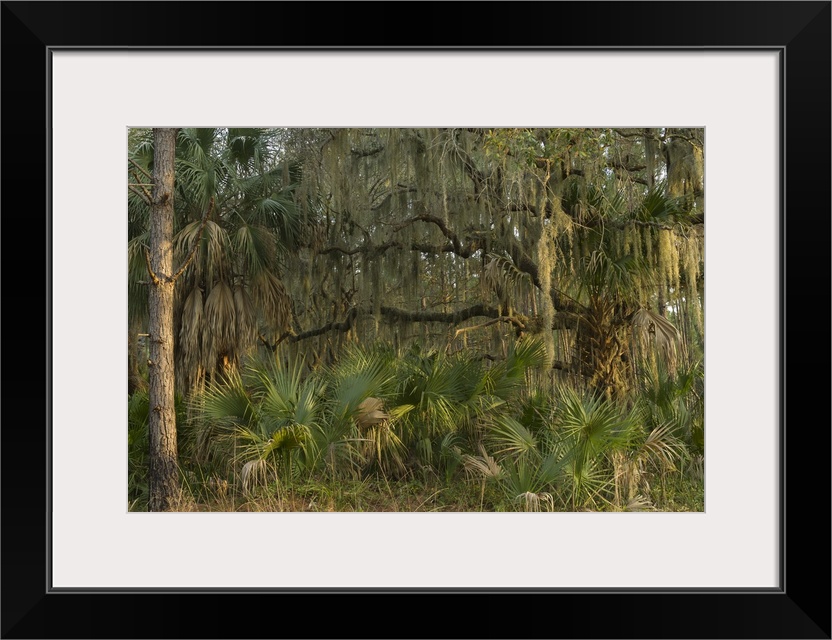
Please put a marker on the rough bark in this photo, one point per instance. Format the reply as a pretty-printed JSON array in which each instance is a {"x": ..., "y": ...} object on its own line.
[
  {"x": 134, "y": 381},
  {"x": 164, "y": 473}
]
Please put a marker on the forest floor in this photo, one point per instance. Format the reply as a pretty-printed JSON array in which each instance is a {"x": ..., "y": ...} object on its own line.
[{"x": 383, "y": 495}]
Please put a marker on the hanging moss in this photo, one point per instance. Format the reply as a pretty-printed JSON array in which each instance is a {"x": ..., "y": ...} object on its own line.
[
  {"x": 499, "y": 192},
  {"x": 692, "y": 261},
  {"x": 647, "y": 234}
]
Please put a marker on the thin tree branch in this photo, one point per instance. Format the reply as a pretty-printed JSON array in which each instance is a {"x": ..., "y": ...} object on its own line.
[
  {"x": 507, "y": 319},
  {"x": 144, "y": 186},
  {"x": 450, "y": 235},
  {"x": 463, "y": 252},
  {"x": 345, "y": 251},
  {"x": 636, "y": 134},
  {"x": 153, "y": 277},
  {"x": 272, "y": 347},
  {"x": 346, "y": 325},
  {"x": 141, "y": 168},
  {"x": 144, "y": 195},
  {"x": 453, "y": 317},
  {"x": 682, "y": 136}
]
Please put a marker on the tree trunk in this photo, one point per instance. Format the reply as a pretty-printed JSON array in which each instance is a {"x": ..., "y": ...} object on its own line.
[
  {"x": 133, "y": 378},
  {"x": 164, "y": 473}
]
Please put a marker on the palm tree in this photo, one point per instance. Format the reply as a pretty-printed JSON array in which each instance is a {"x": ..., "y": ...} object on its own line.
[{"x": 236, "y": 217}]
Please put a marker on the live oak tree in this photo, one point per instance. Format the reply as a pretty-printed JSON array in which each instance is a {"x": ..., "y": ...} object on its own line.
[{"x": 466, "y": 238}]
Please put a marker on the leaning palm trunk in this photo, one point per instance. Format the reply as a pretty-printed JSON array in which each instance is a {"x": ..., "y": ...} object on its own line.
[{"x": 164, "y": 474}]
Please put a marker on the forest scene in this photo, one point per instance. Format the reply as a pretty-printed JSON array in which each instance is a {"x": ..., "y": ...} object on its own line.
[{"x": 416, "y": 320}]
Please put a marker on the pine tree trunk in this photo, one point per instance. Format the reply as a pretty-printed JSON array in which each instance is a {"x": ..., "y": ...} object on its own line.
[
  {"x": 164, "y": 473},
  {"x": 133, "y": 378}
]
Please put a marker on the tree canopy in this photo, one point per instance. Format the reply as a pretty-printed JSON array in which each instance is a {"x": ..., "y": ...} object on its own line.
[{"x": 453, "y": 238}]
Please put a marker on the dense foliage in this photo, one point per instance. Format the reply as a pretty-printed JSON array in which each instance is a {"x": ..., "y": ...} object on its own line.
[{"x": 510, "y": 314}]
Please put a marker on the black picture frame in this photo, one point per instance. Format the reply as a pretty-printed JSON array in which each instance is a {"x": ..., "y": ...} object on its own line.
[{"x": 800, "y": 608}]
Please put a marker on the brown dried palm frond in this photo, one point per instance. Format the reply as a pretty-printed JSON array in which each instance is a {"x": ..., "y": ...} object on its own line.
[
  {"x": 662, "y": 448},
  {"x": 246, "y": 316},
  {"x": 653, "y": 330},
  {"x": 534, "y": 502},
  {"x": 190, "y": 335},
  {"x": 273, "y": 300},
  {"x": 370, "y": 412},
  {"x": 256, "y": 247},
  {"x": 501, "y": 275},
  {"x": 213, "y": 246},
  {"x": 483, "y": 465},
  {"x": 256, "y": 473},
  {"x": 639, "y": 503},
  {"x": 221, "y": 318}
]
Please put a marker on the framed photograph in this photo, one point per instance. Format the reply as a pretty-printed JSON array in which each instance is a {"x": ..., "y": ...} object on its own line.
[{"x": 745, "y": 84}]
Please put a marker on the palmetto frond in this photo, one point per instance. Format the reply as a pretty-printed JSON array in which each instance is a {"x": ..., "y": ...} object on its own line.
[
  {"x": 510, "y": 438},
  {"x": 590, "y": 427},
  {"x": 525, "y": 483},
  {"x": 360, "y": 375},
  {"x": 616, "y": 277},
  {"x": 482, "y": 465},
  {"x": 505, "y": 378},
  {"x": 227, "y": 403},
  {"x": 662, "y": 448},
  {"x": 501, "y": 274},
  {"x": 256, "y": 247},
  {"x": 658, "y": 206},
  {"x": 285, "y": 397}
]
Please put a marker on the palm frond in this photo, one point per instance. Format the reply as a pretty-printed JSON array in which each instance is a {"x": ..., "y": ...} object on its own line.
[
  {"x": 482, "y": 465},
  {"x": 226, "y": 403},
  {"x": 192, "y": 324},
  {"x": 221, "y": 319},
  {"x": 653, "y": 330},
  {"x": 510, "y": 438},
  {"x": 658, "y": 206},
  {"x": 256, "y": 246},
  {"x": 591, "y": 426},
  {"x": 662, "y": 448},
  {"x": 505, "y": 378},
  {"x": 273, "y": 301}
]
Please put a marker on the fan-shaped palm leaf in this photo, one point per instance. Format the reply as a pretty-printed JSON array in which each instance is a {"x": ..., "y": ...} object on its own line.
[
  {"x": 510, "y": 438},
  {"x": 590, "y": 427},
  {"x": 256, "y": 247},
  {"x": 525, "y": 486},
  {"x": 505, "y": 378},
  {"x": 657, "y": 206}
]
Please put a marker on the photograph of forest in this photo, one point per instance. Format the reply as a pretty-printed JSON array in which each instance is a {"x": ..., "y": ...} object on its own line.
[{"x": 416, "y": 320}]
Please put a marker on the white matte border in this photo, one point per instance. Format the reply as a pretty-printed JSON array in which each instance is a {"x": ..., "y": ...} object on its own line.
[{"x": 97, "y": 95}]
